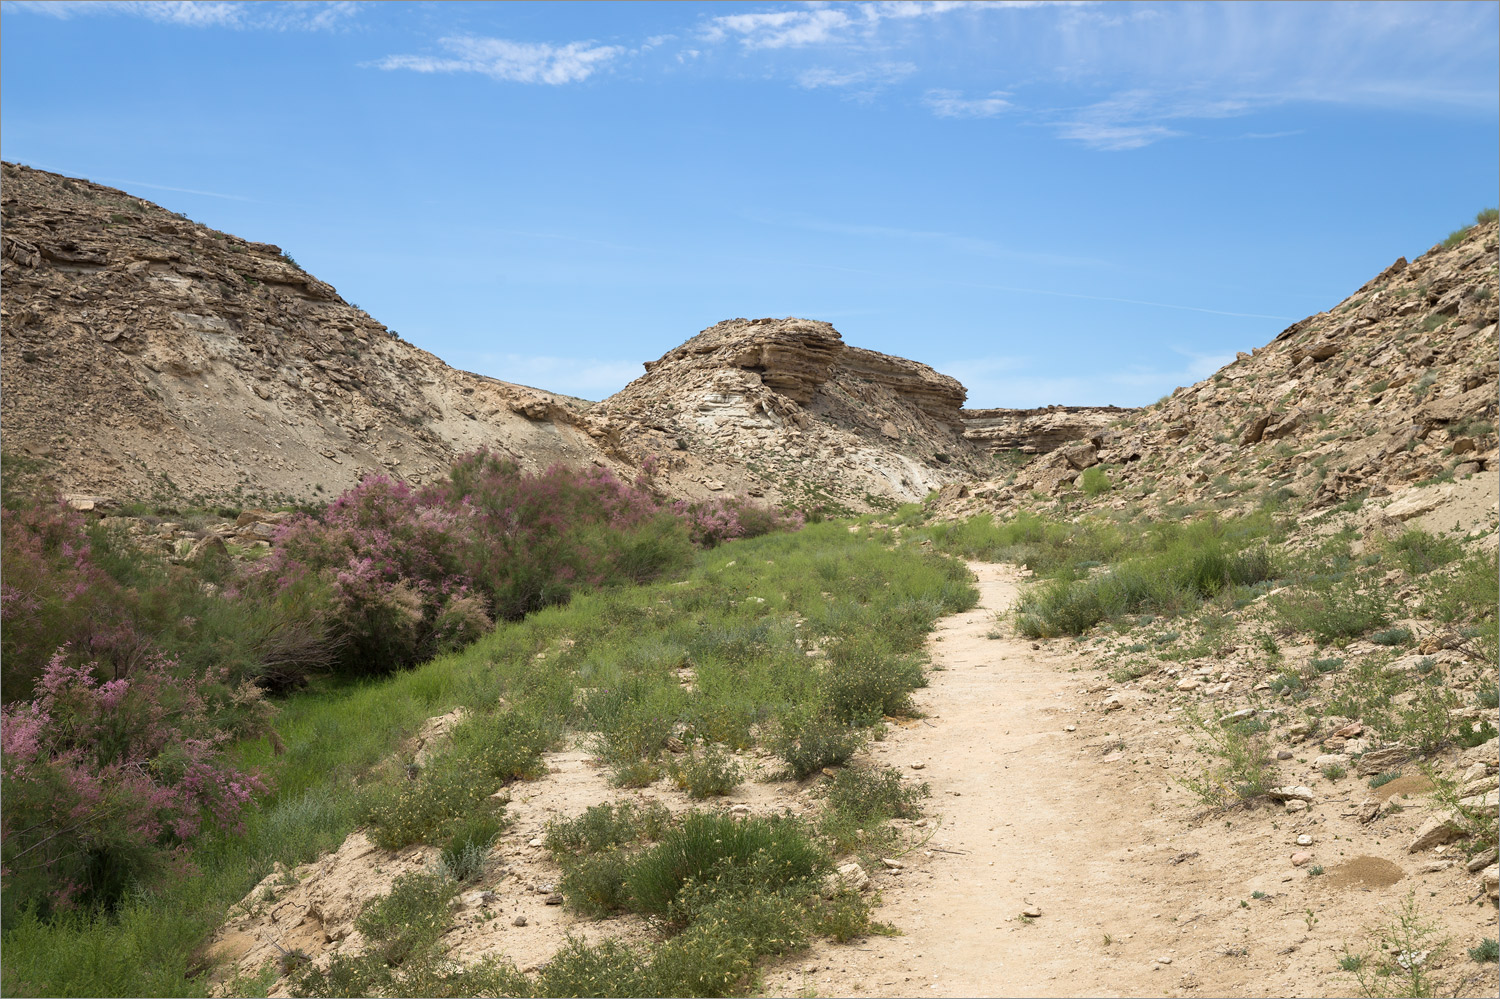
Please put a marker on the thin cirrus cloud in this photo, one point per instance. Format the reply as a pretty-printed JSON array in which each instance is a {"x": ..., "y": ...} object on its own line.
[
  {"x": 294, "y": 16},
  {"x": 867, "y": 80},
  {"x": 953, "y": 104},
  {"x": 803, "y": 26},
  {"x": 514, "y": 62},
  {"x": 1013, "y": 381}
]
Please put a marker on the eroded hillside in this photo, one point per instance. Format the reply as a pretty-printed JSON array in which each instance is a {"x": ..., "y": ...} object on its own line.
[
  {"x": 1394, "y": 385},
  {"x": 149, "y": 357}
]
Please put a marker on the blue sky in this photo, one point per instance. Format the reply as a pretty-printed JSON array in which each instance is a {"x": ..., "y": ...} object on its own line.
[{"x": 1074, "y": 203}]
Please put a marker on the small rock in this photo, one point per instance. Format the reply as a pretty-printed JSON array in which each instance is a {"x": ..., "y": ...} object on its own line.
[
  {"x": 1289, "y": 793},
  {"x": 1489, "y": 881},
  {"x": 1283, "y": 754},
  {"x": 1112, "y": 703},
  {"x": 850, "y": 875},
  {"x": 1301, "y": 858},
  {"x": 1477, "y": 864},
  {"x": 536, "y": 841},
  {"x": 1031, "y": 912},
  {"x": 554, "y": 899},
  {"x": 1433, "y": 866},
  {"x": 1296, "y": 805},
  {"x": 519, "y": 921},
  {"x": 1434, "y": 832},
  {"x": 1164, "y": 960},
  {"x": 1304, "y": 840},
  {"x": 1070, "y": 728},
  {"x": 918, "y": 766},
  {"x": 892, "y": 865}
]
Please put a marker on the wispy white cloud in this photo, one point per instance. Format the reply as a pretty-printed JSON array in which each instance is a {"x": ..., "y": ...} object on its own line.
[
  {"x": 516, "y": 62},
  {"x": 781, "y": 28},
  {"x": 1013, "y": 381},
  {"x": 288, "y": 16},
  {"x": 819, "y": 24},
  {"x": 179, "y": 190},
  {"x": 863, "y": 82},
  {"x": 953, "y": 104},
  {"x": 585, "y": 377}
]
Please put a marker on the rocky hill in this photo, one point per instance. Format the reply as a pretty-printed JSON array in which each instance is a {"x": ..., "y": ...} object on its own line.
[
  {"x": 783, "y": 408},
  {"x": 148, "y": 357},
  {"x": 1394, "y": 385}
]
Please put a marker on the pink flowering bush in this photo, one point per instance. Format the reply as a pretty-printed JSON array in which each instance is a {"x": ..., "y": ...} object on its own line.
[
  {"x": 106, "y": 783},
  {"x": 712, "y": 522},
  {"x": 52, "y": 593}
]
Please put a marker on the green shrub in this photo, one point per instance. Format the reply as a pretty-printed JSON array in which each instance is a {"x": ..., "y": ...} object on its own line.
[
  {"x": 1095, "y": 481},
  {"x": 861, "y": 800},
  {"x": 1332, "y": 615},
  {"x": 485, "y": 754},
  {"x": 708, "y": 772},
  {"x": 764, "y": 853},
  {"x": 1488, "y": 951},
  {"x": 1419, "y": 552},
  {"x": 604, "y": 826},
  {"x": 468, "y": 849},
  {"x": 409, "y": 919},
  {"x": 1392, "y": 636},
  {"x": 595, "y": 884},
  {"x": 810, "y": 744}
]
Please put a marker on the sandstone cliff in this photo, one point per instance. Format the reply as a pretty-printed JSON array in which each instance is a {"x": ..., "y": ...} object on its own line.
[
  {"x": 146, "y": 356},
  {"x": 1039, "y": 430},
  {"x": 783, "y": 408}
]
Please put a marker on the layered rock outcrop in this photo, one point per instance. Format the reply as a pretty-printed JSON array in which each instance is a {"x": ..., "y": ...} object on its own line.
[
  {"x": 1039, "y": 430},
  {"x": 784, "y": 409},
  {"x": 144, "y": 356},
  {"x": 148, "y": 357}
]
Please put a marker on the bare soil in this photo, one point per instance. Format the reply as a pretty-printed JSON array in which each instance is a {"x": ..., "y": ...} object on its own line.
[{"x": 1139, "y": 893}]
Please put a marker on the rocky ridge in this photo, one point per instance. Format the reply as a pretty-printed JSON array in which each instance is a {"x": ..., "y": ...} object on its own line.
[
  {"x": 1395, "y": 385},
  {"x": 783, "y": 408},
  {"x": 147, "y": 357}
]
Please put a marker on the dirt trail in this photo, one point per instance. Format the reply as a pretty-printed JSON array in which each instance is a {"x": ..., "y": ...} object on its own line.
[
  {"x": 1087, "y": 826},
  {"x": 1028, "y": 819}
]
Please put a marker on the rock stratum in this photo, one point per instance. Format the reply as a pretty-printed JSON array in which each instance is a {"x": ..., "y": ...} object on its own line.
[
  {"x": 146, "y": 357},
  {"x": 784, "y": 408}
]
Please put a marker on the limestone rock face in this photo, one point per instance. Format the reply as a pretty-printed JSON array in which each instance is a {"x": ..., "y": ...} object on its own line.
[
  {"x": 1038, "y": 431},
  {"x": 783, "y": 408},
  {"x": 145, "y": 356}
]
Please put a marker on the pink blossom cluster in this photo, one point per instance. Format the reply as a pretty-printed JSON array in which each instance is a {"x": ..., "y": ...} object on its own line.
[{"x": 105, "y": 783}]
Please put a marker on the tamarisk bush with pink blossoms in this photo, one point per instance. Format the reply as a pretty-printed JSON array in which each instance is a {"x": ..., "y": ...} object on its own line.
[
  {"x": 106, "y": 784},
  {"x": 412, "y": 573}
]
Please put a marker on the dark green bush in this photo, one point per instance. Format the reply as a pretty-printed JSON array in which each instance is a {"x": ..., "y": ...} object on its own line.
[{"x": 809, "y": 744}]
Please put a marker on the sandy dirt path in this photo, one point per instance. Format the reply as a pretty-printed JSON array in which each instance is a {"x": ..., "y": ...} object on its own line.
[
  {"x": 1032, "y": 814},
  {"x": 1027, "y": 819}
]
